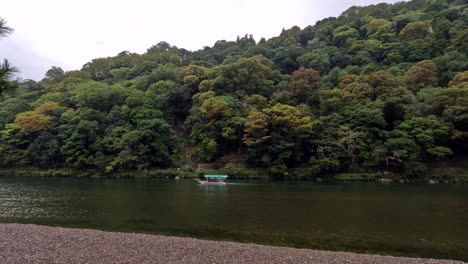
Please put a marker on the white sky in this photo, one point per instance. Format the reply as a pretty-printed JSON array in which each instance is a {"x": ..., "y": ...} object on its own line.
[{"x": 70, "y": 33}]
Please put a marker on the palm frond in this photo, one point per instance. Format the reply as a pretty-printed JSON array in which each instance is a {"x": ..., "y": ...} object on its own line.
[
  {"x": 7, "y": 71},
  {"x": 4, "y": 29}
]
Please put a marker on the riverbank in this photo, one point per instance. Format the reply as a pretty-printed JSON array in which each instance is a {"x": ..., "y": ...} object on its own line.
[
  {"x": 436, "y": 174},
  {"x": 40, "y": 244}
]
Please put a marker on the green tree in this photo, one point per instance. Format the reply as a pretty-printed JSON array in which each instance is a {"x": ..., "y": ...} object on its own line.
[
  {"x": 316, "y": 59},
  {"x": 328, "y": 154},
  {"x": 10, "y": 108},
  {"x": 245, "y": 76},
  {"x": 379, "y": 29},
  {"x": 421, "y": 74},
  {"x": 7, "y": 71},
  {"x": 45, "y": 150},
  {"x": 54, "y": 75},
  {"x": 460, "y": 80},
  {"x": 344, "y": 35},
  {"x": 429, "y": 133},
  {"x": 417, "y": 31},
  {"x": 99, "y": 96},
  {"x": 81, "y": 132}
]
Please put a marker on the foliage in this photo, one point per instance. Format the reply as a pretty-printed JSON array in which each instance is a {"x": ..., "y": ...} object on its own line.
[
  {"x": 382, "y": 87},
  {"x": 7, "y": 71}
]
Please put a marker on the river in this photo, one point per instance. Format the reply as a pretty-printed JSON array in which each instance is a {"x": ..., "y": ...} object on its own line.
[{"x": 412, "y": 220}]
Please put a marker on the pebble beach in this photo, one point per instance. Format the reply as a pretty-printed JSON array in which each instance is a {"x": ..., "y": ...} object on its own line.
[{"x": 41, "y": 244}]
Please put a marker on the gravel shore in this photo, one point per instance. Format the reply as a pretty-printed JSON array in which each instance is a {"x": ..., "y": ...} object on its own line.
[{"x": 41, "y": 244}]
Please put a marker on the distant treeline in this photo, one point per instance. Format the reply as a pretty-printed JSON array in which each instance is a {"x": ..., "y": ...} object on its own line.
[{"x": 383, "y": 86}]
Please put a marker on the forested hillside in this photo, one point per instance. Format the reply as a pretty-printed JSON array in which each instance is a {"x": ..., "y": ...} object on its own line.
[{"x": 383, "y": 87}]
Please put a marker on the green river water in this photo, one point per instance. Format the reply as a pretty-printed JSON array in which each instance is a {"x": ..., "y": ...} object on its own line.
[{"x": 411, "y": 220}]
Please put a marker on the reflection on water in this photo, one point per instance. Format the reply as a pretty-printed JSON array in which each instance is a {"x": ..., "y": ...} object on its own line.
[
  {"x": 415, "y": 220},
  {"x": 26, "y": 202}
]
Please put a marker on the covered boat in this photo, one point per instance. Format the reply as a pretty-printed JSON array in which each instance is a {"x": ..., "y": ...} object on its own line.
[{"x": 214, "y": 179}]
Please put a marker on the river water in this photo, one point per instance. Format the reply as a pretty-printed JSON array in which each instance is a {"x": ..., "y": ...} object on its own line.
[{"x": 411, "y": 220}]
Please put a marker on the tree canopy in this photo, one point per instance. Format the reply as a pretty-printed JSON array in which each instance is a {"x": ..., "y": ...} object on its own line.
[{"x": 382, "y": 87}]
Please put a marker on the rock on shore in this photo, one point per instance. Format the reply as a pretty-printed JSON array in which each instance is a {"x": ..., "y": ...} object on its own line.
[{"x": 41, "y": 244}]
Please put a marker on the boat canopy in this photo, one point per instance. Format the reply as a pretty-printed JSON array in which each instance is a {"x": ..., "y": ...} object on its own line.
[{"x": 217, "y": 176}]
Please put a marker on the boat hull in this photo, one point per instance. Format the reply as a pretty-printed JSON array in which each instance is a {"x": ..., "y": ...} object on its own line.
[{"x": 211, "y": 183}]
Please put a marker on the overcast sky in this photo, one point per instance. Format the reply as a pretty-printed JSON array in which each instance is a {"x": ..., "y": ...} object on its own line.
[{"x": 70, "y": 33}]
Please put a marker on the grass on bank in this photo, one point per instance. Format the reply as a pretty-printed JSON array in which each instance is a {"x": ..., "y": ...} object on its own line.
[
  {"x": 438, "y": 172},
  {"x": 449, "y": 174}
]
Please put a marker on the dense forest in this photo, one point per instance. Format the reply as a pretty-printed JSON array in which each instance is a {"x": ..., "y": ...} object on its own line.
[{"x": 383, "y": 87}]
